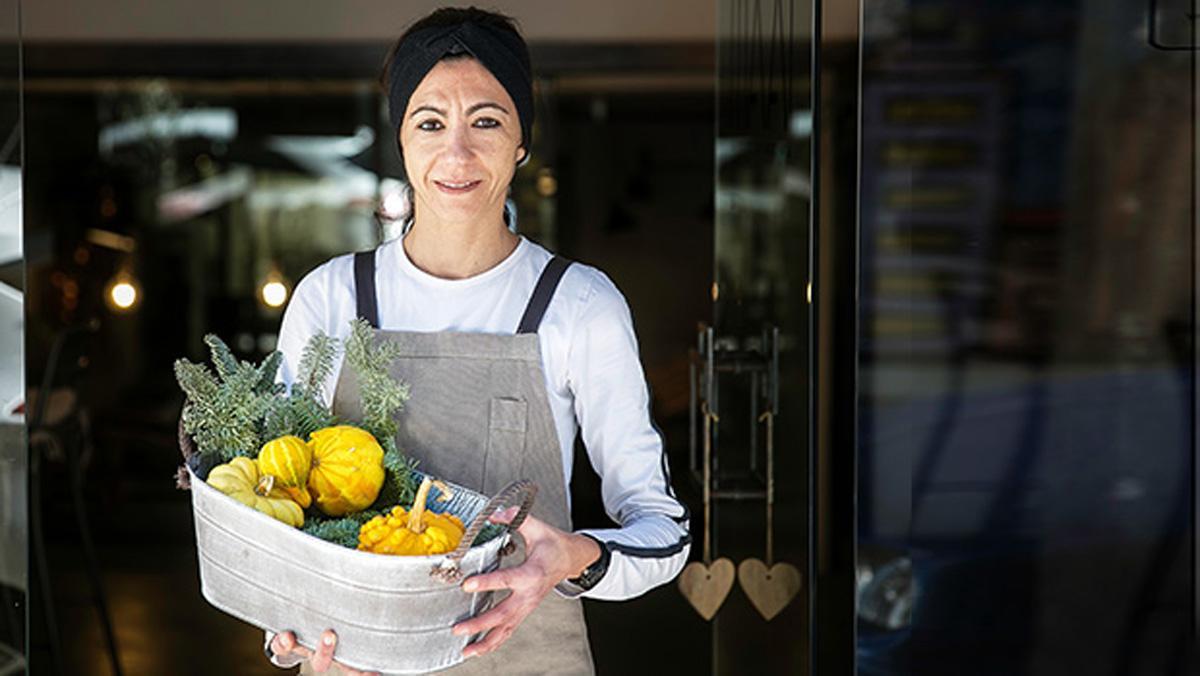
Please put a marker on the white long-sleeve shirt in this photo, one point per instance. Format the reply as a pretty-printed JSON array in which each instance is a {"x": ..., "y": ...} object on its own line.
[{"x": 594, "y": 383}]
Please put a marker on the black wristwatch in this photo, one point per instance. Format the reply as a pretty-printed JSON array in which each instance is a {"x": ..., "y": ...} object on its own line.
[{"x": 592, "y": 575}]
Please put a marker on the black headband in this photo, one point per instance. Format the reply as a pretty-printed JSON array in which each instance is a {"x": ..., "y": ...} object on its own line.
[{"x": 502, "y": 52}]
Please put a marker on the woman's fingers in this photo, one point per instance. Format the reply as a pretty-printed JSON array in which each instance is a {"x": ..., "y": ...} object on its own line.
[
  {"x": 285, "y": 643},
  {"x": 480, "y": 623},
  {"x": 323, "y": 657},
  {"x": 504, "y": 515},
  {"x": 494, "y": 639}
]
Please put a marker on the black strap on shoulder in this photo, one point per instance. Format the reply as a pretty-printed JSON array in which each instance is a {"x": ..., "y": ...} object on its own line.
[
  {"x": 542, "y": 293},
  {"x": 364, "y": 287}
]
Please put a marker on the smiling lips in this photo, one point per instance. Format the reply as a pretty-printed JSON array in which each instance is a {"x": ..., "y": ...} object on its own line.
[{"x": 456, "y": 187}]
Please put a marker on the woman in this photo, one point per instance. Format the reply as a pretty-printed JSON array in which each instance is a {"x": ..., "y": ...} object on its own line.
[{"x": 489, "y": 406}]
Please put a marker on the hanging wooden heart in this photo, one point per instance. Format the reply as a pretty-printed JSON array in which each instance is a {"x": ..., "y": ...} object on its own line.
[
  {"x": 706, "y": 587},
  {"x": 769, "y": 589}
]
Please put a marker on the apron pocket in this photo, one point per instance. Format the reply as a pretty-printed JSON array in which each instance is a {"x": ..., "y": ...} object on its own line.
[{"x": 506, "y": 443}]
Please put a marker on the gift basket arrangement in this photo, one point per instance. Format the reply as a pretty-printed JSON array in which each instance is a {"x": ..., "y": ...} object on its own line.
[{"x": 305, "y": 522}]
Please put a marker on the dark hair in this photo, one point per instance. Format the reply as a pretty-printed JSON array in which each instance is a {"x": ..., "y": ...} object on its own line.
[{"x": 452, "y": 16}]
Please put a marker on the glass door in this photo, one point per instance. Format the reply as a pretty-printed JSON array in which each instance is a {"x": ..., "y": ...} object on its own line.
[
  {"x": 13, "y": 452},
  {"x": 751, "y": 365},
  {"x": 1026, "y": 411}
]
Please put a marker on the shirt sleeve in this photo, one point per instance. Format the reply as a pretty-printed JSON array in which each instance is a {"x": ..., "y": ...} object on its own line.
[{"x": 612, "y": 405}]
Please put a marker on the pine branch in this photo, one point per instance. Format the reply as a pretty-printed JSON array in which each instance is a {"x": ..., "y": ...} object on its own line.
[
  {"x": 267, "y": 372},
  {"x": 302, "y": 411},
  {"x": 224, "y": 414},
  {"x": 222, "y": 417},
  {"x": 196, "y": 380},
  {"x": 399, "y": 484},
  {"x": 382, "y": 396},
  {"x": 316, "y": 364},
  {"x": 222, "y": 357},
  {"x": 342, "y": 531}
]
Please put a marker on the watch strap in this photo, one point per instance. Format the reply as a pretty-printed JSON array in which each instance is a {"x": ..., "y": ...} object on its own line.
[{"x": 595, "y": 571}]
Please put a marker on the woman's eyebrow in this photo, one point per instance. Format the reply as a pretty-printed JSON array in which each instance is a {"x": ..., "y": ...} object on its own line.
[
  {"x": 419, "y": 109},
  {"x": 487, "y": 104},
  {"x": 473, "y": 109}
]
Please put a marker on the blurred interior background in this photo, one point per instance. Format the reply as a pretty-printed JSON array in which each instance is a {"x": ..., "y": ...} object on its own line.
[
  {"x": 948, "y": 246},
  {"x": 193, "y": 160}
]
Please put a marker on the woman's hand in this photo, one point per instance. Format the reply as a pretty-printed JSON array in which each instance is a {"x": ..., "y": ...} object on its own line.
[
  {"x": 551, "y": 556},
  {"x": 285, "y": 644}
]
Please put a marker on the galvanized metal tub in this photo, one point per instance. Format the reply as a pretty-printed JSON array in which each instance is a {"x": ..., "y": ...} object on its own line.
[{"x": 392, "y": 614}]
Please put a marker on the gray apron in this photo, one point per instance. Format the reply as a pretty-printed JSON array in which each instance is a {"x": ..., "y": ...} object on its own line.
[{"x": 479, "y": 416}]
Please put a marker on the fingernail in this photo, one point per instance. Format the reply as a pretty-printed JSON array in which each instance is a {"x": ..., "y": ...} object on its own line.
[
  {"x": 328, "y": 640},
  {"x": 469, "y": 586}
]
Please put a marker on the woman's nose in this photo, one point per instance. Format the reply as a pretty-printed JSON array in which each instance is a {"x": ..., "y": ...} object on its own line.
[{"x": 459, "y": 142}]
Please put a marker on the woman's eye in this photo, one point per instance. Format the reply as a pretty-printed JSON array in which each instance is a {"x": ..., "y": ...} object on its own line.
[
  {"x": 487, "y": 122},
  {"x": 429, "y": 125}
]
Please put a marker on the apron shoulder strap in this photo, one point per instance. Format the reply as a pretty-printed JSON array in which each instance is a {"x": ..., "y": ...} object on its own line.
[
  {"x": 542, "y": 293},
  {"x": 364, "y": 287}
]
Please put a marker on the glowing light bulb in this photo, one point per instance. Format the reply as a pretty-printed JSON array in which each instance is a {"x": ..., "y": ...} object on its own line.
[
  {"x": 274, "y": 293},
  {"x": 124, "y": 295}
]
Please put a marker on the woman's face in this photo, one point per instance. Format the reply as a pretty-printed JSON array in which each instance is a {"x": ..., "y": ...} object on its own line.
[{"x": 461, "y": 138}]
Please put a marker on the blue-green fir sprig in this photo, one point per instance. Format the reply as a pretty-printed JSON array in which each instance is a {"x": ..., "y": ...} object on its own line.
[
  {"x": 303, "y": 411},
  {"x": 382, "y": 396},
  {"x": 224, "y": 412}
]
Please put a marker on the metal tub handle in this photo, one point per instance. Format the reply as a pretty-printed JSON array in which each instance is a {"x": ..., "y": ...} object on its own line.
[{"x": 521, "y": 492}]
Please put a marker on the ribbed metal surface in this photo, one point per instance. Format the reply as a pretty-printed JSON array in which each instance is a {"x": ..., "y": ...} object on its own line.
[{"x": 389, "y": 613}]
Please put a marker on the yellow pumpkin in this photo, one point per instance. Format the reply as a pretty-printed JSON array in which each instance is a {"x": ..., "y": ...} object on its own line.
[
  {"x": 347, "y": 469},
  {"x": 288, "y": 459},
  {"x": 418, "y": 532},
  {"x": 239, "y": 479}
]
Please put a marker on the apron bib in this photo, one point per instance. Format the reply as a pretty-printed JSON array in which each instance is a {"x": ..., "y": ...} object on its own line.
[{"x": 479, "y": 416}]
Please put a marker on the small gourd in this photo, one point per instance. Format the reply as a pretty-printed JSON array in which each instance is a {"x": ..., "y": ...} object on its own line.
[
  {"x": 419, "y": 532},
  {"x": 240, "y": 479},
  {"x": 347, "y": 469},
  {"x": 288, "y": 459}
]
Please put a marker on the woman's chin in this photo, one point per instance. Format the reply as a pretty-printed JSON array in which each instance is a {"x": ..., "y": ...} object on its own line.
[{"x": 466, "y": 211}]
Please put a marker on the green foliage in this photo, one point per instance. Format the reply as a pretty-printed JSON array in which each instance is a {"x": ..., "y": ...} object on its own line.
[
  {"x": 295, "y": 415},
  {"x": 222, "y": 357},
  {"x": 302, "y": 411},
  {"x": 399, "y": 483},
  {"x": 382, "y": 396},
  {"x": 342, "y": 531},
  {"x": 316, "y": 365},
  {"x": 235, "y": 408},
  {"x": 223, "y": 413},
  {"x": 267, "y": 372}
]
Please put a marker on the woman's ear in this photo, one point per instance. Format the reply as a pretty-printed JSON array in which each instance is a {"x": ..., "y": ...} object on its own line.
[{"x": 522, "y": 156}]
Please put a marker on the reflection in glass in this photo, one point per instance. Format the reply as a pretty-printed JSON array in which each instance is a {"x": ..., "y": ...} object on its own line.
[
  {"x": 1026, "y": 459},
  {"x": 760, "y": 331},
  {"x": 13, "y": 465}
]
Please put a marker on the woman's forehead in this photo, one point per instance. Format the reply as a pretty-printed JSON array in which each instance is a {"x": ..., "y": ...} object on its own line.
[{"x": 462, "y": 80}]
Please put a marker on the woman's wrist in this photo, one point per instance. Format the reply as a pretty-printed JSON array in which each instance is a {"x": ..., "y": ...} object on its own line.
[{"x": 584, "y": 552}]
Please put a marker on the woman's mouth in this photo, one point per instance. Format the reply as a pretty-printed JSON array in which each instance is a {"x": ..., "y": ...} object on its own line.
[{"x": 456, "y": 187}]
